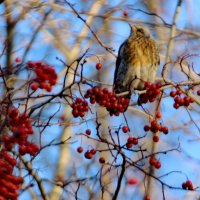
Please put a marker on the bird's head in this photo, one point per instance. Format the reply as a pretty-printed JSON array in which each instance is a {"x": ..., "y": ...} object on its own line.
[{"x": 138, "y": 31}]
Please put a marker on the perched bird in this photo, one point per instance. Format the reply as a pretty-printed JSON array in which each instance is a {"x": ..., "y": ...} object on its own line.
[{"x": 137, "y": 61}]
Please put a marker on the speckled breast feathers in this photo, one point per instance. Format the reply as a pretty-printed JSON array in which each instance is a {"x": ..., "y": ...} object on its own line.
[{"x": 137, "y": 61}]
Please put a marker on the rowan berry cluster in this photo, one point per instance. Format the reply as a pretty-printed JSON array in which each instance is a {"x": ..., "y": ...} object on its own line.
[
  {"x": 188, "y": 185},
  {"x": 45, "y": 76},
  {"x": 131, "y": 141},
  {"x": 21, "y": 128},
  {"x": 155, "y": 127},
  {"x": 90, "y": 153},
  {"x": 9, "y": 184},
  {"x": 154, "y": 162},
  {"x": 114, "y": 105},
  {"x": 152, "y": 91},
  {"x": 79, "y": 107},
  {"x": 180, "y": 101}
]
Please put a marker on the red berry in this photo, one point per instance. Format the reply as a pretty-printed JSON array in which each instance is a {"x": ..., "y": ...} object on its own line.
[
  {"x": 146, "y": 128},
  {"x": 132, "y": 181},
  {"x": 95, "y": 90},
  {"x": 173, "y": 93},
  {"x": 125, "y": 13},
  {"x": 88, "y": 155},
  {"x": 34, "y": 86},
  {"x": 129, "y": 145},
  {"x": 158, "y": 85},
  {"x": 78, "y": 100},
  {"x": 85, "y": 103},
  {"x": 165, "y": 130},
  {"x": 178, "y": 92},
  {"x": 75, "y": 113},
  {"x": 48, "y": 88},
  {"x": 125, "y": 129},
  {"x": 102, "y": 160},
  {"x": 93, "y": 151},
  {"x": 147, "y": 197},
  {"x": 152, "y": 99},
  {"x": 176, "y": 105},
  {"x": 184, "y": 186},
  {"x": 135, "y": 141},
  {"x": 177, "y": 99},
  {"x": 158, "y": 115},
  {"x": 130, "y": 139},
  {"x": 17, "y": 59},
  {"x": 88, "y": 131},
  {"x": 155, "y": 138},
  {"x": 105, "y": 90},
  {"x": 198, "y": 92},
  {"x": 189, "y": 185},
  {"x": 152, "y": 87},
  {"x": 152, "y": 160},
  {"x": 157, "y": 164},
  {"x": 191, "y": 100},
  {"x": 81, "y": 114},
  {"x": 98, "y": 66},
  {"x": 80, "y": 149},
  {"x": 31, "y": 64},
  {"x": 147, "y": 84},
  {"x": 119, "y": 106}
]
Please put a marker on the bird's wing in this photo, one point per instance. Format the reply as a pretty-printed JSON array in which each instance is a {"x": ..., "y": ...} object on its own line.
[{"x": 118, "y": 61}]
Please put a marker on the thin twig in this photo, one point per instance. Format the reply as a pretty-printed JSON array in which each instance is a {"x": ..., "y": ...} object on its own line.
[
  {"x": 173, "y": 31},
  {"x": 93, "y": 33},
  {"x": 120, "y": 177}
]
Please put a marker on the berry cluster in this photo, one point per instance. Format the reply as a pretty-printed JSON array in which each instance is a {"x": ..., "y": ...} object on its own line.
[
  {"x": 114, "y": 105},
  {"x": 187, "y": 185},
  {"x": 45, "y": 76},
  {"x": 155, "y": 127},
  {"x": 9, "y": 184},
  {"x": 21, "y": 127},
  {"x": 90, "y": 153},
  {"x": 154, "y": 162},
  {"x": 79, "y": 107},
  {"x": 131, "y": 141},
  {"x": 180, "y": 101},
  {"x": 152, "y": 91}
]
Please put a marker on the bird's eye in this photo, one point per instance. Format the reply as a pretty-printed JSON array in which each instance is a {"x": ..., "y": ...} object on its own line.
[{"x": 140, "y": 30}]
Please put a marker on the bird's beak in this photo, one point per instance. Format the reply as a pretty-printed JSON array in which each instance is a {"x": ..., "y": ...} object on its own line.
[{"x": 132, "y": 27}]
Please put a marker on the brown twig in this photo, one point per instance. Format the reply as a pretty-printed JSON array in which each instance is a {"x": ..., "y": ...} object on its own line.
[{"x": 93, "y": 33}]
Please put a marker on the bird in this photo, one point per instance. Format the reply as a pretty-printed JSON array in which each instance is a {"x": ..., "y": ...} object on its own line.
[{"x": 137, "y": 61}]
